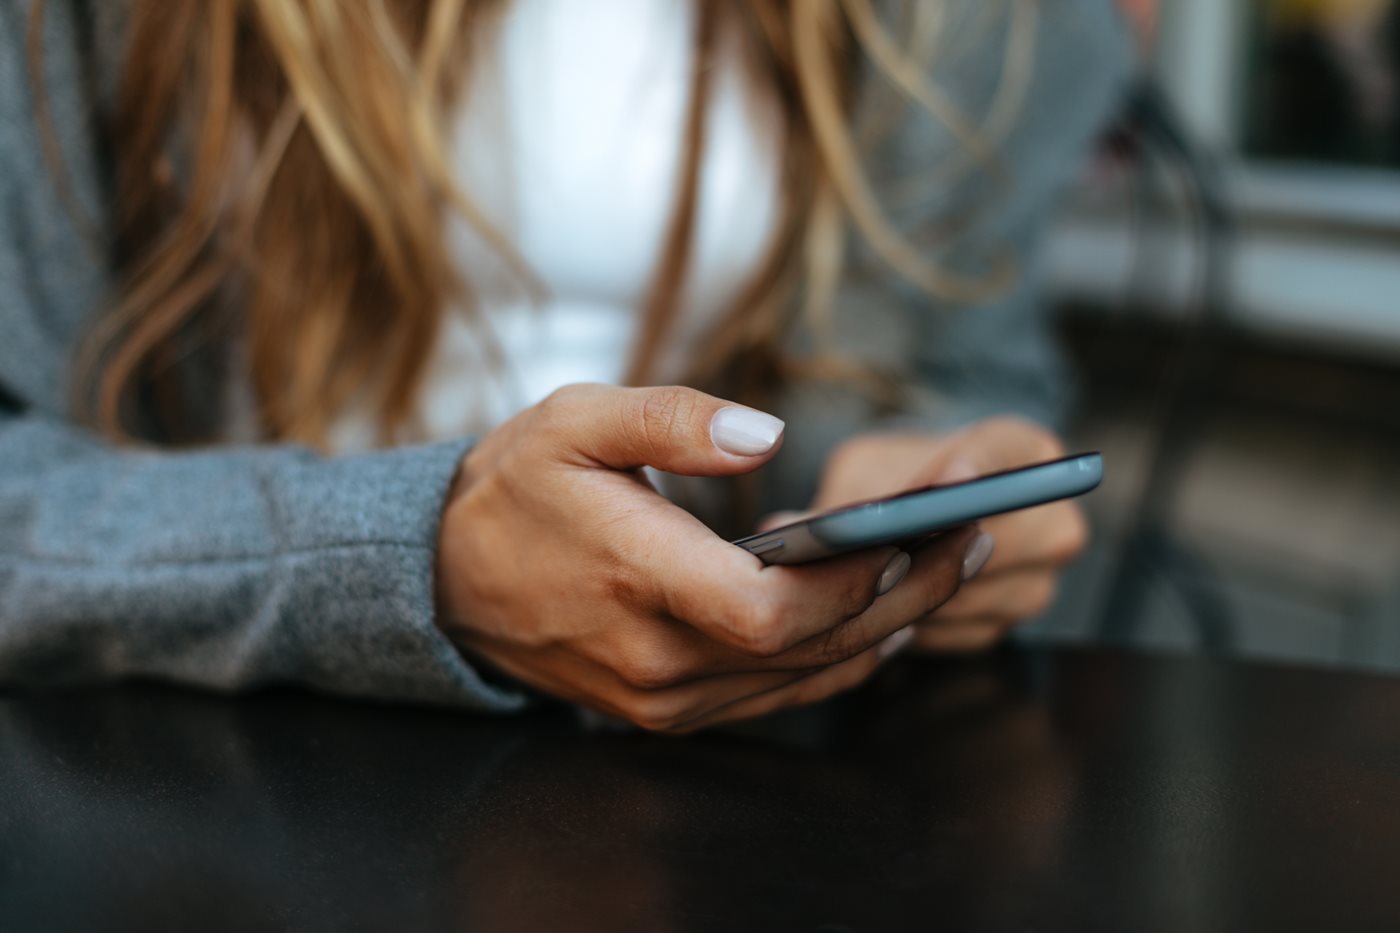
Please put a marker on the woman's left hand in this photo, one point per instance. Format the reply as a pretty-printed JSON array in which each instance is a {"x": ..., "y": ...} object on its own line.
[{"x": 1029, "y": 547}]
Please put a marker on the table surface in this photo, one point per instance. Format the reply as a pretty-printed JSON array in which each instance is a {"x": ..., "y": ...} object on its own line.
[{"x": 1030, "y": 791}]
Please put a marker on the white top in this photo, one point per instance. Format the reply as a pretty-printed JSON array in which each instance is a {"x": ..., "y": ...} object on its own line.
[{"x": 570, "y": 141}]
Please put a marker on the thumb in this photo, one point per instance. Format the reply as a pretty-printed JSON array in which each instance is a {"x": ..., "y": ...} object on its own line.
[
  {"x": 670, "y": 428},
  {"x": 958, "y": 468},
  {"x": 779, "y": 519}
]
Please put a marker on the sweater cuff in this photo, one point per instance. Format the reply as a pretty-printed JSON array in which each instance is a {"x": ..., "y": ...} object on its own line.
[{"x": 375, "y": 617}]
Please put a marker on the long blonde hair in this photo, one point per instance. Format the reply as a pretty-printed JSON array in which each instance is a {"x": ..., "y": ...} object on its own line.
[{"x": 282, "y": 177}]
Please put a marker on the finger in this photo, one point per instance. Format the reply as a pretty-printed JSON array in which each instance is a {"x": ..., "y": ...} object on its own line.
[
  {"x": 1046, "y": 536},
  {"x": 1003, "y": 443},
  {"x": 755, "y": 612},
  {"x": 610, "y": 688},
  {"x": 665, "y": 565},
  {"x": 811, "y": 688},
  {"x": 934, "y": 575},
  {"x": 631, "y": 683},
  {"x": 959, "y": 639},
  {"x": 624, "y": 688},
  {"x": 671, "y": 428},
  {"x": 1011, "y": 596},
  {"x": 988, "y": 447},
  {"x": 671, "y": 710}
]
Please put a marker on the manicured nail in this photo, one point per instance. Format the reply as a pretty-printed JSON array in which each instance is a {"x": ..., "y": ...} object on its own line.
[
  {"x": 894, "y": 572},
  {"x": 978, "y": 553},
  {"x": 744, "y": 432},
  {"x": 957, "y": 470},
  {"x": 895, "y": 643}
]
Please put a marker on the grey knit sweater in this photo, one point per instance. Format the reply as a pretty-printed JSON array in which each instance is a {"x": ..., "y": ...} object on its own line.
[{"x": 239, "y": 566}]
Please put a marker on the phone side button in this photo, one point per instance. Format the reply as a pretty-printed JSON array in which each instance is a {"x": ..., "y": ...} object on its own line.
[{"x": 766, "y": 547}]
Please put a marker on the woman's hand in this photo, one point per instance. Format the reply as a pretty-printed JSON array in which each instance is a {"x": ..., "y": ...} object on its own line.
[
  {"x": 1027, "y": 548},
  {"x": 561, "y": 566}
]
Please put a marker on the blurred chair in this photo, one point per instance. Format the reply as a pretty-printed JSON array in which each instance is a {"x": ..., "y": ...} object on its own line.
[{"x": 1159, "y": 148}]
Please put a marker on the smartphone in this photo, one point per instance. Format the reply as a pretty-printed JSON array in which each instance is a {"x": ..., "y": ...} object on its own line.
[{"x": 911, "y": 515}]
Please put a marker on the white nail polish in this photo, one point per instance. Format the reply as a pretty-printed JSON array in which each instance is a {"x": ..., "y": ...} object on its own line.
[
  {"x": 744, "y": 432},
  {"x": 893, "y": 573},
  {"x": 895, "y": 643},
  {"x": 978, "y": 553}
]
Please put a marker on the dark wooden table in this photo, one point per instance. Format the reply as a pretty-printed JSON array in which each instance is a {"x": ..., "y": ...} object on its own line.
[{"x": 1025, "y": 792}]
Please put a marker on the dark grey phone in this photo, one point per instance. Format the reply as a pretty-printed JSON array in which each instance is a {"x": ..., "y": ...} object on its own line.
[{"x": 920, "y": 512}]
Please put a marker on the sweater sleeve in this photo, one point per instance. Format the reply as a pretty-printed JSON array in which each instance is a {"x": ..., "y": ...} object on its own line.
[
  {"x": 960, "y": 364},
  {"x": 225, "y": 568},
  {"x": 1000, "y": 356}
]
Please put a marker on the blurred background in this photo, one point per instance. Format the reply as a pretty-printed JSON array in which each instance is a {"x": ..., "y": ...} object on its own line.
[{"x": 1227, "y": 276}]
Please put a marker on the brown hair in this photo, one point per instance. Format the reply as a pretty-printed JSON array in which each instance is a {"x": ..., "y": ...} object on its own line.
[{"x": 281, "y": 177}]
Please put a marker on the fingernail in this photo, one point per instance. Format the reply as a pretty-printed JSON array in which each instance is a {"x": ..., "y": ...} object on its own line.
[
  {"x": 957, "y": 470},
  {"x": 978, "y": 553},
  {"x": 744, "y": 432},
  {"x": 894, "y": 572},
  {"x": 895, "y": 643}
]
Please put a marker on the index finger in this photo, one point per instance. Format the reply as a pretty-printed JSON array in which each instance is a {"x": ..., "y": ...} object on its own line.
[{"x": 737, "y": 601}]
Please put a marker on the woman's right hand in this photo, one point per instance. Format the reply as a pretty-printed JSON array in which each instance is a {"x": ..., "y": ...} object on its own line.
[{"x": 561, "y": 566}]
